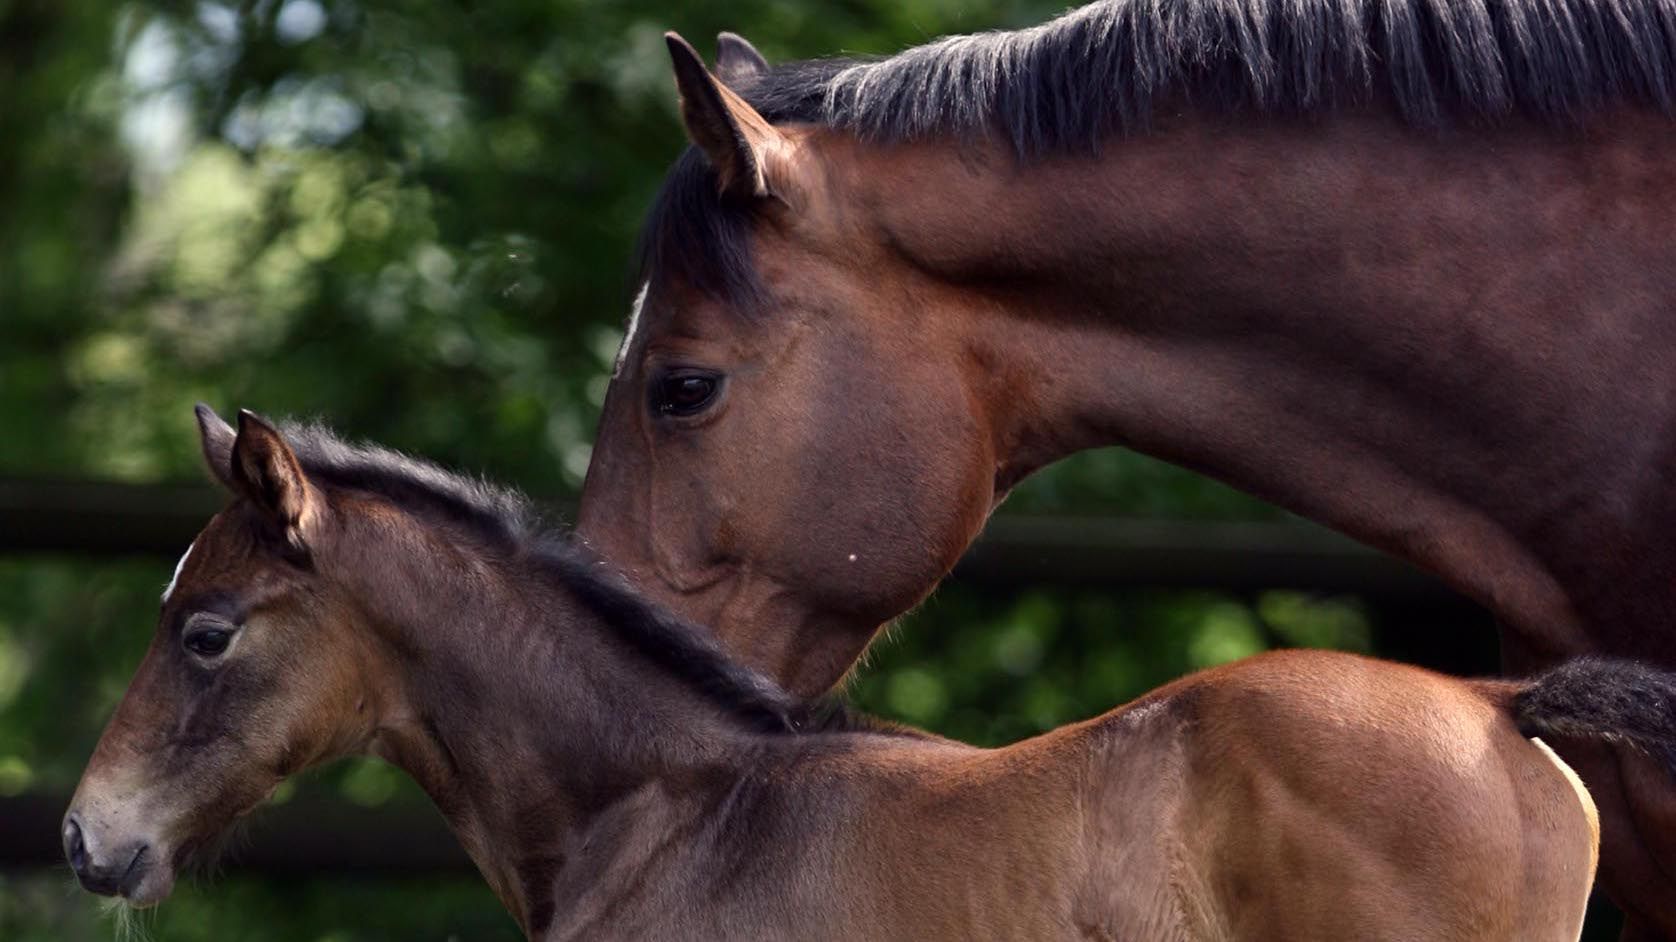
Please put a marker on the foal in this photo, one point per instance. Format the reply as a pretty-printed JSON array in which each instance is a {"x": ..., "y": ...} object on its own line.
[{"x": 614, "y": 776}]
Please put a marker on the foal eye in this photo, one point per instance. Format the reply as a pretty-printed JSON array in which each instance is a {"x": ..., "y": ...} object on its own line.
[
  {"x": 208, "y": 642},
  {"x": 684, "y": 392}
]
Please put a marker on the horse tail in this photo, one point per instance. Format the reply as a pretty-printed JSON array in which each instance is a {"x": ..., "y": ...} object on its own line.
[{"x": 1601, "y": 698}]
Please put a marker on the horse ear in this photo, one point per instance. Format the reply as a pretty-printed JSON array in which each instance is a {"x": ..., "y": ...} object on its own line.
[
  {"x": 216, "y": 437},
  {"x": 267, "y": 471},
  {"x": 737, "y": 60},
  {"x": 740, "y": 143}
]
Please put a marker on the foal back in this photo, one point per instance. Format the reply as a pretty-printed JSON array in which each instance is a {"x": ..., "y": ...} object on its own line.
[
  {"x": 1327, "y": 796},
  {"x": 1294, "y": 796}
]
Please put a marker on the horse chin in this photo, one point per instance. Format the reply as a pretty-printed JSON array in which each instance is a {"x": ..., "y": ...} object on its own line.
[{"x": 152, "y": 885}]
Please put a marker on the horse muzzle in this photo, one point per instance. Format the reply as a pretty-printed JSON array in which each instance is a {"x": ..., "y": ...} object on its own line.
[{"x": 110, "y": 865}]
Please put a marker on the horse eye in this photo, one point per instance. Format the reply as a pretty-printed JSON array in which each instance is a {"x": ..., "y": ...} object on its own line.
[
  {"x": 210, "y": 642},
  {"x": 685, "y": 392}
]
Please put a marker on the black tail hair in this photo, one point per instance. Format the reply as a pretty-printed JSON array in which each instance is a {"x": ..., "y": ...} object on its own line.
[{"x": 1600, "y": 698}]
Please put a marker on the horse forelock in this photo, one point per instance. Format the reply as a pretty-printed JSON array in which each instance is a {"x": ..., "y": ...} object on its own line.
[{"x": 693, "y": 235}]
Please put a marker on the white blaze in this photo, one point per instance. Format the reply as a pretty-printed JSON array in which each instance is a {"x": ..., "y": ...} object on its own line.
[
  {"x": 169, "y": 589},
  {"x": 633, "y": 325}
]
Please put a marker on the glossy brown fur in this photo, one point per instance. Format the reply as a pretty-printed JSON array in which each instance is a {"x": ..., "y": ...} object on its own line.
[
  {"x": 604, "y": 796},
  {"x": 1456, "y": 345}
]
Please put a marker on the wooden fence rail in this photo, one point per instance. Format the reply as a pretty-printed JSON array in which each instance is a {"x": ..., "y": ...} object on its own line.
[{"x": 104, "y": 519}]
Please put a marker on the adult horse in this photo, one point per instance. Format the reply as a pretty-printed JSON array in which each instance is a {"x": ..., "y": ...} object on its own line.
[
  {"x": 614, "y": 776},
  {"x": 1406, "y": 268}
]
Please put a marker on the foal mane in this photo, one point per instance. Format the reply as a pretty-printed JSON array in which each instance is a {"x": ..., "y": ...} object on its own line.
[
  {"x": 511, "y": 525},
  {"x": 1103, "y": 71}
]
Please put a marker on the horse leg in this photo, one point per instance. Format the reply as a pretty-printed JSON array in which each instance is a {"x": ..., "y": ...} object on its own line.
[
  {"x": 1650, "y": 798},
  {"x": 1637, "y": 804}
]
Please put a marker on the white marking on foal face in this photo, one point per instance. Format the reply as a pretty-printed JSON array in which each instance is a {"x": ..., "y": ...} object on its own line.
[
  {"x": 169, "y": 589},
  {"x": 633, "y": 325}
]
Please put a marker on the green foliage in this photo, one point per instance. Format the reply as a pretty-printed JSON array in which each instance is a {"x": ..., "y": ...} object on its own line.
[{"x": 448, "y": 909}]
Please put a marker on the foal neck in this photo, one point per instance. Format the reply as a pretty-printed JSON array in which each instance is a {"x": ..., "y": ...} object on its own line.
[{"x": 534, "y": 730}]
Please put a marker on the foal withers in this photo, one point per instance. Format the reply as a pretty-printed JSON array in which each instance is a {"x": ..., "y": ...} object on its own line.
[{"x": 615, "y": 777}]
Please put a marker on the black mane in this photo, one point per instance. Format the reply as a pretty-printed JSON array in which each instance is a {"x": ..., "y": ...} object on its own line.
[
  {"x": 510, "y": 522},
  {"x": 1102, "y": 71}
]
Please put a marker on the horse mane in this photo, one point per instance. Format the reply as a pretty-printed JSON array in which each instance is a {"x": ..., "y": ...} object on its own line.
[
  {"x": 511, "y": 524},
  {"x": 1104, "y": 70}
]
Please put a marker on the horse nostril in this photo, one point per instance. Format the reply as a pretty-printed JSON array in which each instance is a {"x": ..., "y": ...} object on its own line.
[
  {"x": 75, "y": 848},
  {"x": 136, "y": 868}
]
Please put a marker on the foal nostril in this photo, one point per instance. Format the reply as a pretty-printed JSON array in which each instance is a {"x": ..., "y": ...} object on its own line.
[
  {"x": 75, "y": 847},
  {"x": 103, "y": 866}
]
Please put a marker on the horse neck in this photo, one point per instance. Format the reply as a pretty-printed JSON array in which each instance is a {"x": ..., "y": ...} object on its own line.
[
  {"x": 1413, "y": 338},
  {"x": 527, "y": 726}
]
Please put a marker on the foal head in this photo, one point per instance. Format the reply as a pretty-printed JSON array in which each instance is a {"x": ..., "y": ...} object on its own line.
[
  {"x": 792, "y": 448},
  {"x": 254, "y": 672}
]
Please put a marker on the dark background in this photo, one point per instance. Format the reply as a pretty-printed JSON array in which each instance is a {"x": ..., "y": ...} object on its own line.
[{"x": 414, "y": 220}]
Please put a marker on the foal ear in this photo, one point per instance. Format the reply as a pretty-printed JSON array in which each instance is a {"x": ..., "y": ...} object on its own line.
[
  {"x": 267, "y": 471},
  {"x": 740, "y": 143},
  {"x": 737, "y": 60},
  {"x": 216, "y": 438}
]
